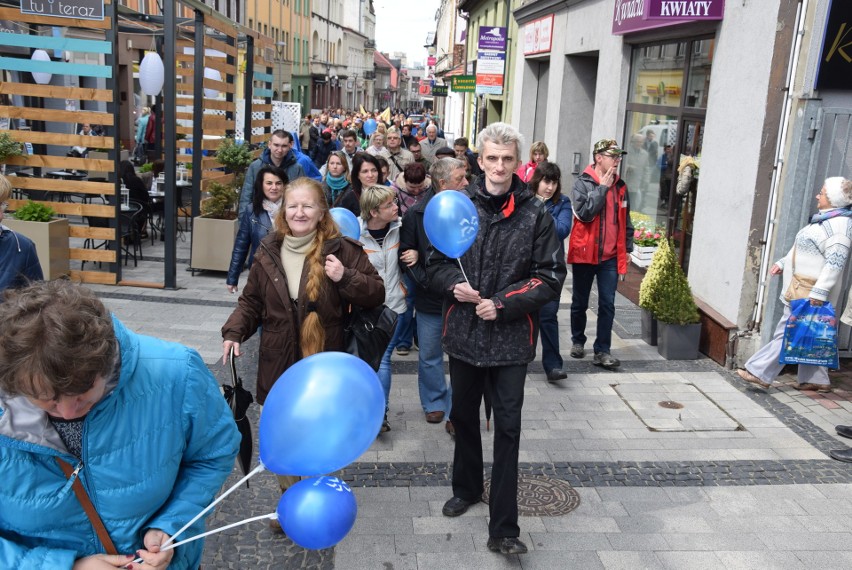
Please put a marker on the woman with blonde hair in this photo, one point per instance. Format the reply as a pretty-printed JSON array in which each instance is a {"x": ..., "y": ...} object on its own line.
[
  {"x": 303, "y": 279},
  {"x": 380, "y": 226},
  {"x": 538, "y": 154}
]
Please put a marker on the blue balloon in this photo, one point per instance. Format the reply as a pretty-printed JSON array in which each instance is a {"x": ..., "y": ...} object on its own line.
[
  {"x": 317, "y": 513},
  {"x": 370, "y": 126},
  {"x": 347, "y": 222},
  {"x": 451, "y": 223},
  {"x": 320, "y": 415}
]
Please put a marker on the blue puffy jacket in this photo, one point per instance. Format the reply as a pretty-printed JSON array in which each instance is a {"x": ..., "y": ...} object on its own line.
[
  {"x": 18, "y": 260},
  {"x": 563, "y": 216},
  {"x": 253, "y": 228},
  {"x": 156, "y": 449}
]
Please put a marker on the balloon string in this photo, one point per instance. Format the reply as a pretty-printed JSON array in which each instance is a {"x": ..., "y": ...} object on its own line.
[
  {"x": 214, "y": 531},
  {"x": 254, "y": 472},
  {"x": 458, "y": 259}
]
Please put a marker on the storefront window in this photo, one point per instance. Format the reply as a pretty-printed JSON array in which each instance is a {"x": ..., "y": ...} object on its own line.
[
  {"x": 669, "y": 86},
  {"x": 657, "y": 74},
  {"x": 647, "y": 167},
  {"x": 698, "y": 83}
]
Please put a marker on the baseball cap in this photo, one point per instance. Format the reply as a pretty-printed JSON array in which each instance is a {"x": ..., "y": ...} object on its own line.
[
  {"x": 327, "y": 131},
  {"x": 608, "y": 146},
  {"x": 445, "y": 151}
]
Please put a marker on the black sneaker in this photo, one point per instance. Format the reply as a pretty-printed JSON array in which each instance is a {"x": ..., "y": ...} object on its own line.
[
  {"x": 506, "y": 545},
  {"x": 577, "y": 351},
  {"x": 385, "y": 425},
  {"x": 606, "y": 360},
  {"x": 456, "y": 507},
  {"x": 554, "y": 375}
]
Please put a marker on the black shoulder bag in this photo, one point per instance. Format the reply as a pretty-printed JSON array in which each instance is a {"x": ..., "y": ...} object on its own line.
[{"x": 368, "y": 333}]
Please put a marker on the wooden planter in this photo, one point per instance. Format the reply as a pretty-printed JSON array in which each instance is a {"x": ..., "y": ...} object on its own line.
[
  {"x": 212, "y": 243},
  {"x": 678, "y": 342},
  {"x": 51, "y": 242},
  {"x": 642, "y": 255},
  {"x": 649, "y": 328}
]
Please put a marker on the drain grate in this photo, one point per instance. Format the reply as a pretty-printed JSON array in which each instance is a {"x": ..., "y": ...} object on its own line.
[{"x": 541, "y": 496}]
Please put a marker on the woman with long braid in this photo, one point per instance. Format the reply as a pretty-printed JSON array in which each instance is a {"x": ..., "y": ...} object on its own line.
[{"x": 304, "y": 276}]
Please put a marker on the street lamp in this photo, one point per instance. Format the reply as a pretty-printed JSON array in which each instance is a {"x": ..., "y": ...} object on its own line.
[{"x": 282, "y": 45}]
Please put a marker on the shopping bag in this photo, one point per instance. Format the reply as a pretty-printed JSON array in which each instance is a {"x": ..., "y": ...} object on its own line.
[{"x": 810, "y": 336}]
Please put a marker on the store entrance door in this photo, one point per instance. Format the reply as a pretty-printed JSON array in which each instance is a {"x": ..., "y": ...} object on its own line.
[{"x": 682, "y": 193}]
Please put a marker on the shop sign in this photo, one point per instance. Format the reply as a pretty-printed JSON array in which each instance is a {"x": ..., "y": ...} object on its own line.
[
  {"x": 79, "y": 9},
  {"x": 637, "y": 15},
  {"x": 463, "y": 83},
  {"x": 491, "y": 61},
  {"x": 835, "y": 69},
  {"x": 440, "y": 91},
  {"x": 431, "y": 61},
  {"x": 538, "y": 36}
]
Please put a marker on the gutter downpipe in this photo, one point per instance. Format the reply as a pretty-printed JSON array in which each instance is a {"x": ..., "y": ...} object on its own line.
[{"x": 769, "y": 227}]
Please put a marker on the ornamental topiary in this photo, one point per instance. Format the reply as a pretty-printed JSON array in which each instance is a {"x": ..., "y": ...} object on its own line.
[
  {"x": 221, "y": 205},
  {"x": 665, "y": 291}
]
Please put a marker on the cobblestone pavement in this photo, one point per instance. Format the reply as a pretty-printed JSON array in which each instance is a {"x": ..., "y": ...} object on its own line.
[{"x": 736, "y": 478}]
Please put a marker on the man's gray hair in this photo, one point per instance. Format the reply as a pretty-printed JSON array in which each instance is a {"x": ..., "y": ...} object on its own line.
[
  {"x": 442, "y": 168},
  {"x": 502, "y": 134}
]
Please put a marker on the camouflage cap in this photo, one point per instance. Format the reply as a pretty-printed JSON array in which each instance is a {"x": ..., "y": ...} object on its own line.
[{"x": 608, "y": 146}]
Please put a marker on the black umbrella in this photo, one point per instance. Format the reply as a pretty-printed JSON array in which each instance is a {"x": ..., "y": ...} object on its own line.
[{"x": 239, "y": 399}]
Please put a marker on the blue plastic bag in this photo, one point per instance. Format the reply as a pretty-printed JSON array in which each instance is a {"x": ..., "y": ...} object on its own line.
[{"x": 810, "y": 336}]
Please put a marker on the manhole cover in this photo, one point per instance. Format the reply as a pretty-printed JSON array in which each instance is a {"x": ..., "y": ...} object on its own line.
[
  {"x": 540, "y": 496},
  {"x": 670, "y": 405}
]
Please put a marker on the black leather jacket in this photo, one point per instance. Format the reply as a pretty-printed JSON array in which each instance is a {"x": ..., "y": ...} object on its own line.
[{"x": 253, "y": 228}]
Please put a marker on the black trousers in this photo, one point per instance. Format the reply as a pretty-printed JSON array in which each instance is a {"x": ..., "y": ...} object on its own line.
[{"x": 506, "y": 385}]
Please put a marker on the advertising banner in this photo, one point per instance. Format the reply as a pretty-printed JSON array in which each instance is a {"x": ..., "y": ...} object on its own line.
[
  {"x": 538, "y": 36},
  {"x": 491, "y": 61},
  {"x": 463, "y": 83}
]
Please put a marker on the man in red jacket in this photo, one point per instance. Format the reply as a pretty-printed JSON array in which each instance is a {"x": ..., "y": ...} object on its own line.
[{"x": 601, "y": 238}]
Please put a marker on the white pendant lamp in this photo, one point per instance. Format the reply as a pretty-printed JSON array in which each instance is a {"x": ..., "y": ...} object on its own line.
[
  {"x": 210, "y": 73},
  {"x": 38, "y": 77},
  {"x": 151, "y": 73}
]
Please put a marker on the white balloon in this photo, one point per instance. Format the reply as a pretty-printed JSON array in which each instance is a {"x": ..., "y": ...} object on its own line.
[
  {"x": 41, "y": 78},
  {"x": 210, "y": 73},
  {"x": 151, "y": 73}
]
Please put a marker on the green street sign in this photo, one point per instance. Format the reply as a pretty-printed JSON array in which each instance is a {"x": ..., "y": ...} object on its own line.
[
  {"x": 463, "y": 83},
  {"x": 440, "y": 90}
]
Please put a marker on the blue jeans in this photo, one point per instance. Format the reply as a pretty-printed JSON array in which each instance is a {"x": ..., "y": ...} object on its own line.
[
  {"x": 385, "y": 366},
  {"x": 407, "y": 320},
  {"x": 606, "y": 273},
  {"x": 549, "y": 329},
  {"x": 435, "y": 393}
]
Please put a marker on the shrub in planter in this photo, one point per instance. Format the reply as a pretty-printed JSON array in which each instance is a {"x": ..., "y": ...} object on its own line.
[
  {"x": 222, "y": 203},
  {"x": 665, "y": 292},
  {"x": 34, "y": 212}
]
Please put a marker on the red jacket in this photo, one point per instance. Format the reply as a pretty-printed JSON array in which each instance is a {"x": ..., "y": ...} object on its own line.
[
  {"x": 525, "y": 171},
  {"x": 588, "y": 201}
]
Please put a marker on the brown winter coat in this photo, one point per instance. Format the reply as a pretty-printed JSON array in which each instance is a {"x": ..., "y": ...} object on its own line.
[{"x": 265, "y": 301}]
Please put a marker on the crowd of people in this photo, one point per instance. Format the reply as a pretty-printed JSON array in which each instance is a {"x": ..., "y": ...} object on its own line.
[{"x": 61, "y": 418}]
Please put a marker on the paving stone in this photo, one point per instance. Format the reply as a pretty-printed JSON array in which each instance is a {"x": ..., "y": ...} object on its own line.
[
  {"x": 629, "y": 560},
  {"x": 749, "y": 560}
]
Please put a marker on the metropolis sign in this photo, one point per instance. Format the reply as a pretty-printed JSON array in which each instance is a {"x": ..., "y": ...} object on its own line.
[{"x": 637, "y": 15}]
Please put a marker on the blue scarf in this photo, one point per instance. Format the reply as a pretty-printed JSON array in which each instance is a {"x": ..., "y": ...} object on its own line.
[
  {"x": 820, "y": 217},
  {"x": 337, "y": 185}
]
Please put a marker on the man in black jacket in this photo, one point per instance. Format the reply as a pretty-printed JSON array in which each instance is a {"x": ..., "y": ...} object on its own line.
[{"x": 491, "y": 326}]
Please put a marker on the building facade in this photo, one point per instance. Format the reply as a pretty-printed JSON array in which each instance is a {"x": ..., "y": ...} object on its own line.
[{"x": 710, "y": 86}]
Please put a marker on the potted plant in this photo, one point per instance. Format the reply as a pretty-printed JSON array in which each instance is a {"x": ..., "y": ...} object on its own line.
[
  {"x": 49, "y": 234},
  {"x": 213, "y": 232},
  {"x": 668, "y": 296},
  {"x": 646, "y": 240},
  {"x": 9, "y": 147}
]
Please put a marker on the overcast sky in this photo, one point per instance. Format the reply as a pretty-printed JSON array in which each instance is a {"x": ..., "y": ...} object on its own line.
[{"x": 402, "y": 25}]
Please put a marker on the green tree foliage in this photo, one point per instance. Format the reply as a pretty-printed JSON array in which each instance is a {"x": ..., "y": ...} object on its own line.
[{"x": 665, "y": 291}]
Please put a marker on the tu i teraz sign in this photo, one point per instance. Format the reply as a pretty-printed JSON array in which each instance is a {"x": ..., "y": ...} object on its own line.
[{"x": 79, "y": 9}]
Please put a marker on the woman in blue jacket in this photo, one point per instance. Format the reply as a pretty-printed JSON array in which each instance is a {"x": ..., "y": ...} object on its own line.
[
  {"x": 90, "y": 409},
  {"x": 256, "y": 222},
  {"x": 546, "y": 184}
]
